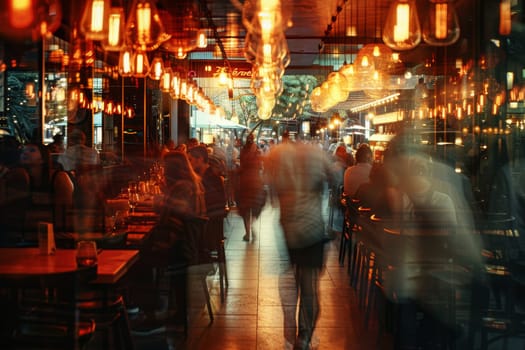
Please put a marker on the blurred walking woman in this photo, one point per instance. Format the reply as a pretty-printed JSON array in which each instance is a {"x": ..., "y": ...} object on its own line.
[{"x": 250, "y": 194}]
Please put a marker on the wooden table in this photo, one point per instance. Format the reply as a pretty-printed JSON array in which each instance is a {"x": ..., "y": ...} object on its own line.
[{"x": 112, "y": 264}]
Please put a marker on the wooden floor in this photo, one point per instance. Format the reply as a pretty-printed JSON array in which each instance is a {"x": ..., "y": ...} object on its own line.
[{"x": 259, "y": 307}]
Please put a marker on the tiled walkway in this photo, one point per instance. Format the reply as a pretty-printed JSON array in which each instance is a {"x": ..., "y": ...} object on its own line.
[{"x": 259, "y": 308}]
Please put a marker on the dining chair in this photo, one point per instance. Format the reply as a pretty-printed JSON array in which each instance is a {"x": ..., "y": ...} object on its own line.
[
  {"x": 43, "y": 310},
  {"x": 496, "y": 312},
  {"x": 214, "y": 247},
  {"x": 419, "y": 282}
]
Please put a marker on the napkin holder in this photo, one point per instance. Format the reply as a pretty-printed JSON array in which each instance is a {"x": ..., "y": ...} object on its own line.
[{"x": 46, "y": 238}]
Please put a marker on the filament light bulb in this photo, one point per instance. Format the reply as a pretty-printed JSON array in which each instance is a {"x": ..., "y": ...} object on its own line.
[
  {"x": 441, "y": 26},
  {"x": 402, "y": 30}
]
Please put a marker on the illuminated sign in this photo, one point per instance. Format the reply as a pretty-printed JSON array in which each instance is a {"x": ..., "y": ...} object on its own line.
[{"x": 212, "y": 69}]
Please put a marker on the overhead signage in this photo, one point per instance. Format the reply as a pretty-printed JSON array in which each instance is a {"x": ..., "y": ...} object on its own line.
[
  {"x": 388, "y": 118},
  {"x": 212, "y": 69}
]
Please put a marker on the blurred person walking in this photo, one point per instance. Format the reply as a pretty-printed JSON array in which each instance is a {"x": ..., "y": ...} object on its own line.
[
  {"x": 298, "y": 173},
  {"x": 250, "y": 195}
]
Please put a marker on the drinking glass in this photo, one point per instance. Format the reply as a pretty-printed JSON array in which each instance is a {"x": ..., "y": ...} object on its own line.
[
  {"x": 133, "y": 200},
  {"x": 86, "y": 254}
]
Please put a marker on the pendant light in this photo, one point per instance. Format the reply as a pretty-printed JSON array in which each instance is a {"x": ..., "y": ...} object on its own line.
[
  {"x": 125, "y": 66},
  {"x": 140, "y": 64},
  {"x": 94, "y": 23},
  {"x": 402, "y": 30},
  {"x": 114, "y": 41},
  {"x": 165, "y": 80},
  {"x": 441, "y": 26},
  {"x": 144, "y": 28},
  {"x": 505, "y": 17},
  {"x": 157, "y": 68}
]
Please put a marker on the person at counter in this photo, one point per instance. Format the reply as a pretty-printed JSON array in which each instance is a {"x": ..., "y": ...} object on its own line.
[
  {"x": 170, "y": 243},
  {"x": 215, "y": 194},
  {"x": 358, "y": 174},
  {"x": 77, "y": 154}
]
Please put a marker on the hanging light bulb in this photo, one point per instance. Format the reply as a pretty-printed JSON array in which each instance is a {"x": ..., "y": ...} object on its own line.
[
  {"x": 505, "y": 17},
  {"x": 156, "y": 69},
  {"x": 140, "y": 64},
  {"x": 202, "y": 39},
  {"x": 165, "y": 80},
  {"x": 115, "y": 38},
  {"x": 441, "y": 27},
  {"x": 125, "y": 65},
  {"x": 364, "y": 61},
  {"x": 94, "y": 22},
  {"x": 376, "y": 52},
  {"x": 144, "y": 27},
  {"x": 181, "y": 53},
  {"x": 402, "y": 30},
  {"x": 223, "y": 77},
  {"x": 29, "y": 19},
  {"x": 175, "y": 85}
]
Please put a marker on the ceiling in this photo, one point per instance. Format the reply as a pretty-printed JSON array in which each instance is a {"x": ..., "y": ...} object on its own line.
[
  {"x": 317, "y": 38},
  {"x": 319, "y": 27}
]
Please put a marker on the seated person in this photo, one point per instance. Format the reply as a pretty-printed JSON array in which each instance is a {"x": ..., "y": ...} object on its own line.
[{"x": 77, "y": 154}]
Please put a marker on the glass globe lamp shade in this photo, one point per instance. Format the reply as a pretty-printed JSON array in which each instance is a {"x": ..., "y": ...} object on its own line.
[
  {"x": 125, "y": 66},
  {"x": 441, "y": 26},
  {"x": 114, "y": 40},
  {"x": 402, "y": 30},
  {"x": 156, "y": 68},
  {"x": 140, "y": 65},
  {"x": 144, "y": 28},
  {"x": 94, "y": 22}
]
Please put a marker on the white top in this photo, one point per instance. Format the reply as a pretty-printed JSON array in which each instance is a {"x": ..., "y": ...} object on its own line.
[{"x": 78, "y": 154}]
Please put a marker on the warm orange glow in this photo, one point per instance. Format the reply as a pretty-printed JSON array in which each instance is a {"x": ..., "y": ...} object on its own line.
[
  {"x": 223, "y": 78},
  {"x": 157, "y": 68},
  {"x": 364, "y": 61},
  {"x": 165, "y": 81},
  {"x": 21, "y": 13},
  {"x": 183, "y": 89},
  {"x": 376, "y": 52},
  {"x": 202, "y": 40},
  {"x": 97, "y": 15},
  {"x": 175, "y": 87},
  {"x": 482, "y": 100},
  {"x": 441, "y": 20},
  {"x": 181, "y": 53},
  {"x": 125, "y": 63},
  {"x": 141, "y": 64},
  {"x": 114, "y": 33},
  {"x": 494, "y": 109},
  {"x": 401, "y": 28},
  {"x": 144, "y": 22},
  {"x": 505, "y": 19}
]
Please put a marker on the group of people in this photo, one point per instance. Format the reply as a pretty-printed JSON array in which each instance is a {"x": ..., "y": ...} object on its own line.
[
  {"x": 415, "y": 195},
  {"x": 296, "y": 173}
]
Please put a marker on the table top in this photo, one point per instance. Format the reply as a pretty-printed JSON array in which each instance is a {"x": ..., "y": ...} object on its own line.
[
  {"x": 112, "y": 264},
  {"x": 136, "y": 234}
]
